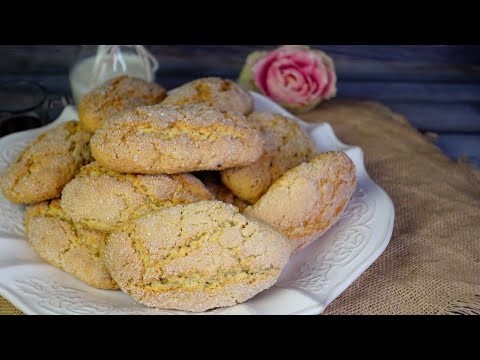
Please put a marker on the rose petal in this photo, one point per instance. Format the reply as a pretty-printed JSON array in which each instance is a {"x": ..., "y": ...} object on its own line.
[
  {"x": 260, "y": 70},
  {"x": 294, "y": 96},
  {"x": 293, "y": 72},
  {"x": 295, "y": 75},
  {"x": 279, "y": 92}
]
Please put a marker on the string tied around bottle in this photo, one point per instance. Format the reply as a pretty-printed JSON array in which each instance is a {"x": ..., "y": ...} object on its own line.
[{"x": 111, "y": 55}]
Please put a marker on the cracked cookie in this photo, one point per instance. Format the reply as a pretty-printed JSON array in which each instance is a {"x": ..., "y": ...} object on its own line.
[
  {"x": 102, "y": 199},
  {"x": 174, "y": 139},
  {"x": 195, "y": 257},
  {"x": 286, "y": 145},
  {"x": 222, "y": 94},
  {"x": 46, "y": 165},
  {"x": 115, "y": 96},
  {"x": 308, "y": 199},
  {"x": 67, "y": 245}
]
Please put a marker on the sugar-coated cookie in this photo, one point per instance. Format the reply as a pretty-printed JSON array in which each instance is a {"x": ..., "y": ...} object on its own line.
[
  {"x": 286, "y": 145},
  {"x": 47, "y": 164},
  {"x": 222, "y": 94},
  {"x": 66, "y": 245},
  {"x": 103, "y": 199},
  {"x": 195, "y": 257},
  {"x": 115, "y": 96},
  {"x": 308, "y": 199},
  {"x": 173, "y": 139}
]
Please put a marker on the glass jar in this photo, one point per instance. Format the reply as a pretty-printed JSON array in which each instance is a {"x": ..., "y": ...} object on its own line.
[
  {"x": 23, "y": 105},
  {"x": 126, "y": 60}
]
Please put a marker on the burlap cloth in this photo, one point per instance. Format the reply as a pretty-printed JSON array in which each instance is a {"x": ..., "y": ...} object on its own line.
[{"x": 432, "y": 265}]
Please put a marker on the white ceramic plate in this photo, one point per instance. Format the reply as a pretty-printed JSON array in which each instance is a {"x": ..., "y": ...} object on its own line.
[{"x": 312, "y": 279}]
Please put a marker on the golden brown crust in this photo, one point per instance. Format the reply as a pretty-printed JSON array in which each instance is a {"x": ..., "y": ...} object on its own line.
[
  {"x": 212, "y": 181},
  {"x": 173, "y": 139},
  {"x": 308, "y": 199},
  {"x": 47, "y": 164},
  {"x": 66, "y": 245},
  {"x": 103, "y": 199},
  {"x": 195, "y": 257},
  {"x": 286, "y": 145},
  {"x": 222, "y": 94},
  {"x": 115, "y": 96}
]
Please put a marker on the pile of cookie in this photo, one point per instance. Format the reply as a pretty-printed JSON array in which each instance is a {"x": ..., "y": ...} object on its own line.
[{"x": 189, "y": 201}]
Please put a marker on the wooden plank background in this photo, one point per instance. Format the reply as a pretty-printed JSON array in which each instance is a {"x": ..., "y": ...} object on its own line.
[{"x": 437, "y": 87}]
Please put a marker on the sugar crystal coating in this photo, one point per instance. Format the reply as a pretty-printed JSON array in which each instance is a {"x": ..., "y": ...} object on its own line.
[
  {"x": 195, "y": 257},
  {"x": 116, "y": 96},
  {"x": 103, "y": 199},
  {"x": 286, "y": 145},
  {"x": 174, "y": 139},
  {"x": 67, "y": 245},
  {"x": 308, "y": 199},
  {"x": 222, "y": 94},
  {"x": 47, "y": 164}
]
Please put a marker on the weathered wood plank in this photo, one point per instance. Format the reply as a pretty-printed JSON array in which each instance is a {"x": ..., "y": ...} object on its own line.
[
  {"x": 440, "y": 117},
  {"x": 54, "y": 84},
  {"x": 449, "y": 54},
  {"x": 406, "y": 63},
  {"x": 433, "y": 92},
  {"x": 461, "y": 146},
  {"x": 347, "y": 70},
  {"x": 377, "y": 90}
]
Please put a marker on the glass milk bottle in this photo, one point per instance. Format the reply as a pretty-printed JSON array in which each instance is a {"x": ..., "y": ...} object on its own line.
[{"x": 97, "y": 64}]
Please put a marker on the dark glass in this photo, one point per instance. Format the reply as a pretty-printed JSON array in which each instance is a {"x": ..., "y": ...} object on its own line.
[{"x": 23, "y": 105}]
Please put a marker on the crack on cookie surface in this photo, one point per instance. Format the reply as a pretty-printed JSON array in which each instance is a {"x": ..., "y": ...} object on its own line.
[
  {"x": 308, "y": 199},
  {"x": 222, "y": 94},
  {"x": 68, "y": 245},
  {"x": 195, "y": 250},
  {"x": 175, "y": 139},
  {"x": 286, "y": 145},
  {"x": 115, "y": 96},
  {"x": 47, "y": 164},
  {"x": 104, "y": 199}
]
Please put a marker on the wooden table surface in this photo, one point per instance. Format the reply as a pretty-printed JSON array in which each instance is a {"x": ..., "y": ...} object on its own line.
[{"x": 437, "y": 87}]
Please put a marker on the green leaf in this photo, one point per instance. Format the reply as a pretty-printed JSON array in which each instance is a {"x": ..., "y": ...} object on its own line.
[{"x": 246, "y": 75}]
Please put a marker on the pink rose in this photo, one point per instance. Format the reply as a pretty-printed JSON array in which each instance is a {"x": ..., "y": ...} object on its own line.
[{"x": 297, "y": 77}]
